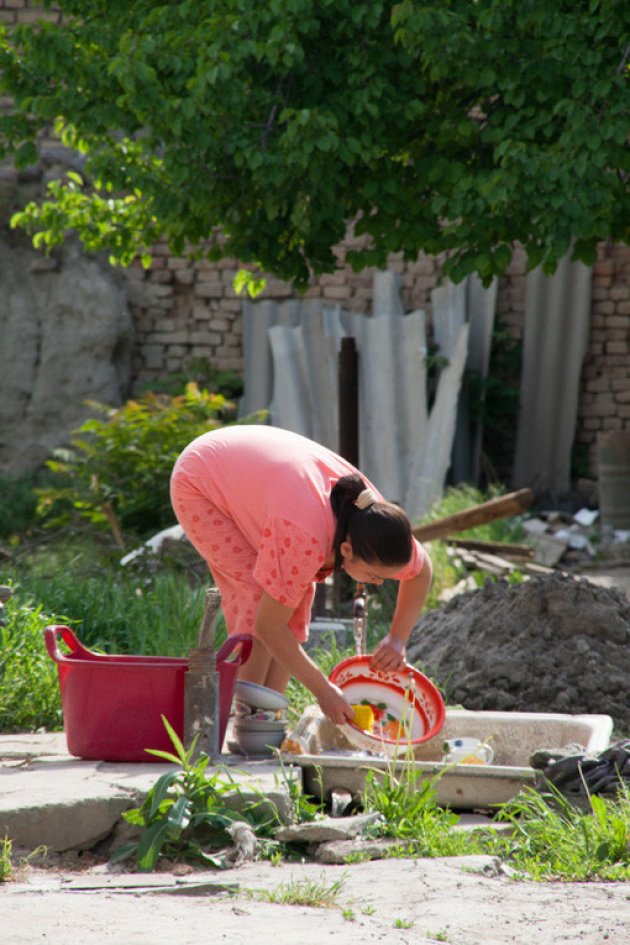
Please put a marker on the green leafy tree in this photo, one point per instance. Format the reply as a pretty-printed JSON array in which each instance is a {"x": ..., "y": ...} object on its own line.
[{"x": 260, "y": 131}]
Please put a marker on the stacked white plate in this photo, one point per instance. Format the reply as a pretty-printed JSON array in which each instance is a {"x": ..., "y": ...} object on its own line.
[{"x": 259, "y": 718}]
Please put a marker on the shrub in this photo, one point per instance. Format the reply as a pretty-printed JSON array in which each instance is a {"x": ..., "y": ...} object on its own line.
[{"x": 118, "y": 468}]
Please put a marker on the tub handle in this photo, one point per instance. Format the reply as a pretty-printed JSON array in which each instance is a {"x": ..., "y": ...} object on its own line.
[
  {"x": 245, "y": 640},
  {"x": 52, "y": 634},
  {"x": 55, "y": 631}
]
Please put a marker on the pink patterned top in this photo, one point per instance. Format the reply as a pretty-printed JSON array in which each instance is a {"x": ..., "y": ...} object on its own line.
[{"x": 275, "y": 486}]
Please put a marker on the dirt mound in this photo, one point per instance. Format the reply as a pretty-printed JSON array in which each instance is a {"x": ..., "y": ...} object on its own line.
[{"x": 550, "y": 644}]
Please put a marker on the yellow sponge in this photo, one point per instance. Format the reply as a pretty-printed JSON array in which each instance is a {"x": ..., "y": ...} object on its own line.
[{"x": 363, "y": 717}]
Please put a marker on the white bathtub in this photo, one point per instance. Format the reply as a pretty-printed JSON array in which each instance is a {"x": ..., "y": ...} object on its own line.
[{"x": 330, "y": 762}]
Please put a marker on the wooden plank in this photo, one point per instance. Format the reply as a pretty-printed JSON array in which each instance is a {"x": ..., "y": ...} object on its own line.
[
  {"x": 511, "y": 504},
  {"x": 505, "y": 549}
]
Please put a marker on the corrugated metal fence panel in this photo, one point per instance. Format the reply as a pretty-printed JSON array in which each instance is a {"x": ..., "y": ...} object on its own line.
[
  {"x": 258, "y": 318},
  {"x": 557, "y": 311},
  {"x": 432, "y": 461},
  {"x": 399, "y": 445},
  {"x": 304, "y": 395},
  {"x": 291, "y": 352},
  {"x": 392, "y": 399}
]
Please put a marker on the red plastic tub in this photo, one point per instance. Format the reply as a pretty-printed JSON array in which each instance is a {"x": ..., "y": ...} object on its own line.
[{"x": 113, "y": 705}]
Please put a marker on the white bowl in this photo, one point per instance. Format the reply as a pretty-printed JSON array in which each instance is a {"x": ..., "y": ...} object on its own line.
[{"x": 259, "y": 696}]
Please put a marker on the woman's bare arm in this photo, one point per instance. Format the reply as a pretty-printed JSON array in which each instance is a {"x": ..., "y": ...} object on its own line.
[{"x": 272, "y": 630}]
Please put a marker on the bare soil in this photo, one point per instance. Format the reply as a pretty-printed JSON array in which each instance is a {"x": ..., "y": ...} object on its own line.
[
  {"x": 461, "y": 901},
  {"x": 554, "y": 643}
]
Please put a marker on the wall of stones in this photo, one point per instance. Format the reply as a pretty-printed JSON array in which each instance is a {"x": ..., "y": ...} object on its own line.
[{"x": 183, "y": 311}]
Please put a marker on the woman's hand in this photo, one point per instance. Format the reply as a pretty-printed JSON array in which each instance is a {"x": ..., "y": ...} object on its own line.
[
  {"x": 389, "y": 655},
  {"x": 334, "y": 704}
]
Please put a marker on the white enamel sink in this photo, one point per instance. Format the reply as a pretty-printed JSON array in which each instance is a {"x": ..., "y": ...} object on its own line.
[{"x": 329, "y": 762}]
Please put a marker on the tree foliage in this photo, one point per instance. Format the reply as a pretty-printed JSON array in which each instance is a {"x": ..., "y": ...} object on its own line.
[{"x": 260, "y": 131}]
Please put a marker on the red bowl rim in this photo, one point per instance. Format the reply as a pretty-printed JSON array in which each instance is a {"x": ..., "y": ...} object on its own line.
[{"x": 429, "y": 687}]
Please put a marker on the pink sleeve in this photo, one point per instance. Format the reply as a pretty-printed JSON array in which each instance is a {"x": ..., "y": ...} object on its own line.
[
  {"x": 288, "y": 560},
  {"x": 414, "y": 565}
]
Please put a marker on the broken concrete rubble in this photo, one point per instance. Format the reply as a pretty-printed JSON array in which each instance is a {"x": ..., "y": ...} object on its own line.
[{"x": 553, "y": 541}]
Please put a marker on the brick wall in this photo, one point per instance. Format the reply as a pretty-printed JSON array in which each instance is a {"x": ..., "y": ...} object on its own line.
[
  {"x": 605, "y": 385},
  {"x": 26, "y": 11},
  {"x": 184, "y": 310}
]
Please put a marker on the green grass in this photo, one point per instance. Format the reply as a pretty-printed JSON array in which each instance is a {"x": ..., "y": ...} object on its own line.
[
  {"x": 457, "y": 499},
  {"x": 81, "y": 585},
  {"x": 18, "y": 503},
  {"x": 316, "y": 894},
  {"x": 148, "y": 611},
  {"x": 29, "y": 690},
  {"x": 6, "y": 866},
  {"x": 553, "y": 839},
  {"x": 119, "y": 614}
]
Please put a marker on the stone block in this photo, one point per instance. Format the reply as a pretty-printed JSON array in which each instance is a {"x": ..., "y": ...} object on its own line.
[
  {"x": 154, "y": 356},
  {"x": 165, "y": 325},
  {"x": 205, "y": 338},
  {"x": 230, "y": 305},
  {"x": 179, "y": 263},
  {"x": 616, "y": 347},
  {"x": 161, "y": 276},
  {"x": 147, "y": 293},
  {"x": 184, "y": 276},
  {"x": 221, "y": 325},
  {"x": 337, "y": 292},
  {"x": 208, "y": 290},
  {"x": 201, "y": 312}
]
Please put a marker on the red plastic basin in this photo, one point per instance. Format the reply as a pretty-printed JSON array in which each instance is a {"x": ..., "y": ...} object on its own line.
[{"x": 113, "y": 704}]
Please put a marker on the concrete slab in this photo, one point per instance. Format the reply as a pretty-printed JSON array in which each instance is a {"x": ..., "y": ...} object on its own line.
[{"x": 50, "y": 798}]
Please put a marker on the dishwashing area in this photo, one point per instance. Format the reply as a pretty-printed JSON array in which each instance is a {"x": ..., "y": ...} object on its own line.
[
  {"x": 331, "y": 759},
  {"x": 114, "y": 707},
  {"x": 475, "y": 759}
]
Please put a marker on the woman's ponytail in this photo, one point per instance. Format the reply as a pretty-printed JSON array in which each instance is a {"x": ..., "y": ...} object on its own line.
[{"x": 378, "y": 531}]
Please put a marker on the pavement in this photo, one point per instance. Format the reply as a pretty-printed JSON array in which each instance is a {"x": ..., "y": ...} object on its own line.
[{"x": 50, "y": 798}]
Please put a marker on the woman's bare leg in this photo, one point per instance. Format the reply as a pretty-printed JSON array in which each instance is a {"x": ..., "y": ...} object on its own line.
[
  {"x": 263, "y": 670},
  {"x": 256, "y": 669},
  {"x": 277, "y": 677}
]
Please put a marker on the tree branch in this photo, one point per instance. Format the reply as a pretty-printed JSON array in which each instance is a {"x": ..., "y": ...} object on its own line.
[{"x": 623, "y": 62}]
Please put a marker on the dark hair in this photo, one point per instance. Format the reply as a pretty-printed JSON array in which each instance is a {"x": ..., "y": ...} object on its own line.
[{"x": 380, "y": 533}]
